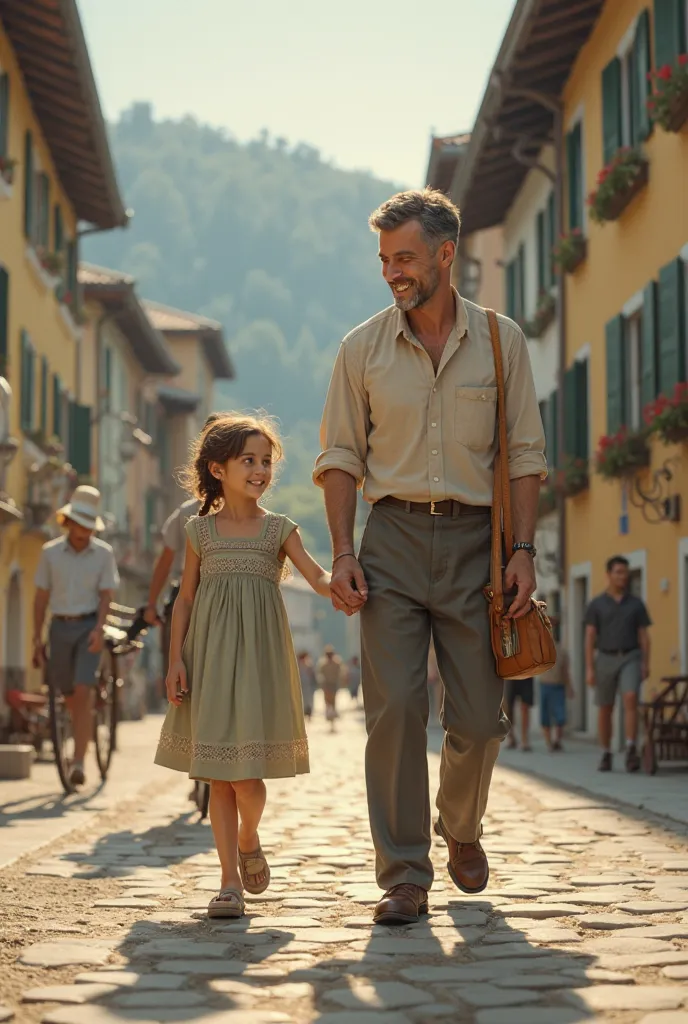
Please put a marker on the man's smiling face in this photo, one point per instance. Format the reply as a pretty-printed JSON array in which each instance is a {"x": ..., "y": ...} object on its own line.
[{"x": 409, "y": 265}]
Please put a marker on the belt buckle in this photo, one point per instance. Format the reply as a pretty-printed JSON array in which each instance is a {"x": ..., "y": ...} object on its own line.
[{"x": 432, "y": 510}]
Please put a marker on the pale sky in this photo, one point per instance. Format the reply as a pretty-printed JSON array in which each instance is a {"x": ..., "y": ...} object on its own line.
[{"x": 364, "y": 82}]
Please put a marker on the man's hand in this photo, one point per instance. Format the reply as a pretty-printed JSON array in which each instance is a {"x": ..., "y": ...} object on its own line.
[
  {"x": 348, "y": 587},
  {"x": 590, "y": 678},
  {"x": 176, "y": 684},
  {"x": 520, "y": 572},
  {"x": 38, "y": 659},
  {"x": 96, "y": 641},
  {"x": 151, "y": 615}
]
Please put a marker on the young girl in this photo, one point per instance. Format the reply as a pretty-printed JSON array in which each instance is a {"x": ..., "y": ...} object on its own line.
[{"x": 236, "y": 712}]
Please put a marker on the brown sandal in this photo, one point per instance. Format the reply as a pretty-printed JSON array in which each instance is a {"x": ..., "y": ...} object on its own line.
[
  {"x": 229, "y": 902},
  {"x": 251, "y": 865}
]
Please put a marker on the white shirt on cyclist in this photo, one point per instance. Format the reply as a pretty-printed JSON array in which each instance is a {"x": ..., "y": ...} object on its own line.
[{"x": 75, "y": 579}]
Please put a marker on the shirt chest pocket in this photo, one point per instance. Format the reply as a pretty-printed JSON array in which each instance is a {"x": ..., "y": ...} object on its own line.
[{"x": 475, "y": 412}]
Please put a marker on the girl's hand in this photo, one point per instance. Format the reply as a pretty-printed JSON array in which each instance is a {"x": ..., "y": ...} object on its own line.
[
  {"x": 176, "y": 683},
  {"x": 322, "y": 585}
]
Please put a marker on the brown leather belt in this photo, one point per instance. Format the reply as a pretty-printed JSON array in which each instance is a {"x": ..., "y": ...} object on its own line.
[
  {"x": 449, "y": 507},
  {"x": 75, "y": 618}
]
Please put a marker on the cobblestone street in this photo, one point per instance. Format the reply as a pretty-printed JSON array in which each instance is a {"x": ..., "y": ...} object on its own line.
[{"x": 586, "y": 916}]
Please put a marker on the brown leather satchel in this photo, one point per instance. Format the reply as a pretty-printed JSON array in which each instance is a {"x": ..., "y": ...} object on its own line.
[{"x": 522, "y": 647}]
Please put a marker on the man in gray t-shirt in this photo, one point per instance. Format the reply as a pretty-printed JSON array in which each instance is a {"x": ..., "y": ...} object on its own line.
[
  {"x": 617, "y": 657},
  {"x": 171, "y": 559}
]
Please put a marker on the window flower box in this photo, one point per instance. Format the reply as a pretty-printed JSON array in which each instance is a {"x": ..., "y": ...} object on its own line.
[
  {"x": 51, "y": 262},
  {"x": 623, "y": 454},
  {"x": 574, "y": 478},
  {"x": 544, "y": 315},
  {"x": 668, "y": 417},
  {"x": 7, "y": 165},
  {"x": 617, "y": 184},
  {"x": 668, "y": 104},
  {"x": 570, "y": 251}
]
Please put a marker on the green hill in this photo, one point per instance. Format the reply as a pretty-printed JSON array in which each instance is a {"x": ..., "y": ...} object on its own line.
[{"x": 268, "y": 239}]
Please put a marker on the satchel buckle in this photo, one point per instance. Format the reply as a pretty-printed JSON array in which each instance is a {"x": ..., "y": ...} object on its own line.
[
  {"x": 510, "y": 639},
  {"x": 432, "y": 510}
]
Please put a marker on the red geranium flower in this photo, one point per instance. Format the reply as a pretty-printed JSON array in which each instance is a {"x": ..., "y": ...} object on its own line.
[
  {"x": 665, "y": 73},
  {"x": 683, "y": 59}
]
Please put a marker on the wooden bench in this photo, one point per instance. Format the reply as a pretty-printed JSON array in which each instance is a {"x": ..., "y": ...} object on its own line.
[{"x": 665, "y": 719}]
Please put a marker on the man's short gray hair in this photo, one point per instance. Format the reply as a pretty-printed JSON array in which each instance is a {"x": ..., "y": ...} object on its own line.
[{"x": 439, "y": 218}]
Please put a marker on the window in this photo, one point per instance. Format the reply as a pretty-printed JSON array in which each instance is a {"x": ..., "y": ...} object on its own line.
[
  {"x": 58, "y": 427},
  {"x": 576, "y": 433},
  {"x": 549, "y": 410},
  {"x": 633, "y": 362},
  {"x": 27, "y": 388},
  {"x": 576, "y": 179},
  {"x": 80, "y": 438},
  {"x": 515, "y": 285},
  {"x": 633, "y": 335},
  {"x": 4, "y": 113},
  {"x": 545, "y": 233},
  {"x": 4, "y": 319},
  {"x": 43, "y": 413},
  {"x": 625, "y": 89},
  {"x": 671, "y": 324},
  {"x": 36, "y": 197},
  {"x": 671, "y": 30}
]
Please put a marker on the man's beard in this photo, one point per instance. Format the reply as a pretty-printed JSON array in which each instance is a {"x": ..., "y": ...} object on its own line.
[{"x": 419, "y": 293}]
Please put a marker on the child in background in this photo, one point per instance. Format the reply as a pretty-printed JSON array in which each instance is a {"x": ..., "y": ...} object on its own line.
[
  {"x": 555, "y": 687},
  {"x": 236, "y": 711}
]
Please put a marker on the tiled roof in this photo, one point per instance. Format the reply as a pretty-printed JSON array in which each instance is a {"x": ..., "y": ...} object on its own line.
[
  {"x": 165, "y": 318},
  {"x": 90, "y": 274}
]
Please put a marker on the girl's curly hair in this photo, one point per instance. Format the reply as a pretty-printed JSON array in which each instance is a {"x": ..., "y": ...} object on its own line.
[{"x": 223, "y": 437}]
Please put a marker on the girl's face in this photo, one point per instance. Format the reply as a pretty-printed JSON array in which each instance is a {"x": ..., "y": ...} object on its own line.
[{"x": 249, "y": 475}]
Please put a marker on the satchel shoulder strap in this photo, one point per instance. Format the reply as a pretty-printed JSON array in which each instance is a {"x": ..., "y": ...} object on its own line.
[{"x": 501, "y": 495}]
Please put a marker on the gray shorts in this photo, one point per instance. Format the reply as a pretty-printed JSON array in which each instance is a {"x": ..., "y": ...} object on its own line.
[
  {"x": 616, "y": 672},
  {"x": 69, "y": 660}
]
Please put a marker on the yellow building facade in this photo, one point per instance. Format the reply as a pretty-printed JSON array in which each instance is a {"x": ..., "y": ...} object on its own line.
[
  {"x": 55, "y": 178},
  {"x": 626, "y": 319}
]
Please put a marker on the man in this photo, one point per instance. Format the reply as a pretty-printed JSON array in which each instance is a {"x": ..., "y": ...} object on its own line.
[
  {"x": 555, "y": 687},
  {"x": 616, "y": 624},
  {"x": 76, "y": 577},
  {"x": 411, "y": 415},
  {"x": 330, "y": 675}
]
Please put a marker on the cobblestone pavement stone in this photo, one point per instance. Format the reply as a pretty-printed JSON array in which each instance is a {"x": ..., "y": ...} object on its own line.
[{"x": 586, "y": 917}]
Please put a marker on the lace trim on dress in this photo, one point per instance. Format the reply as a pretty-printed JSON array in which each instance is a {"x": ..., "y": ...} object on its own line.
[
  {"x": 268, "y": 542},
  {"x": 250, "y": 564},
  {"x": 257, "y": 750}
]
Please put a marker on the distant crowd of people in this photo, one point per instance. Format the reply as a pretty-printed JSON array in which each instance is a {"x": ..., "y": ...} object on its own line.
[{"x": 329, "y": 674}]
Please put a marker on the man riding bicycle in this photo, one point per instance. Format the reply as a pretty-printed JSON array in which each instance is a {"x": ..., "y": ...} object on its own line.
[{"x": 76, "y": 576}]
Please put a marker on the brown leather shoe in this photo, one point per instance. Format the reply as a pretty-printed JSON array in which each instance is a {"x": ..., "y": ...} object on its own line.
[
  {"x": 467, "y": 866},
  {"x": 402, "y": 904}
]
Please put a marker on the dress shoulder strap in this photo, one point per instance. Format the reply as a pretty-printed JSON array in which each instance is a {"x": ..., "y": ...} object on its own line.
[
  {"x": 273, "y": 533},
  {"x": 203, "y": 533}
]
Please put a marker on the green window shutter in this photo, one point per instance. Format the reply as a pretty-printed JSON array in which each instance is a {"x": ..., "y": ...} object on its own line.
[
  {"x": 44, "y": 221},
  {"x": 44, "y": 396},
  {"x": 511, "y": 289},
  {"x": 72, "y": 269},
  {"x": 611, "y": 109},
  {"x": 574, "y": 160},
  {"x": 551, "y": 231},
  {"x": 4, "y": 113},
  {"x": 640, "y": 89},
  {"x": 616, "y": 412},
  {"x": 648, "y": 368},
  {"x": 553, "y": 408},
  {"x": 28, "y": 185},
  {"x": 521, "y": 282},
  {"x": 58, "y": 229},
  {"x": 582, "y": 438},
  {"x": 541, "y": 252},
  {"x": 80, "y": 438},
  {"x": 670, "y": 31},
  {"x": 57, "y": 407},
  {"x": 672, "y": 326},
  {"x": 4, "y": 319},
  {"x": 27, "y": 385},
  {"x": 571, "y": 412}
]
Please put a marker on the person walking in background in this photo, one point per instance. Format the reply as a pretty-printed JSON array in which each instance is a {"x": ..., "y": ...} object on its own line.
[
  {"x": 411, "y": 416},
  {"x": 521, "y": 690},
  {"x": 330, "y": 676},
  {"x": 353, "y": 677},
  {"x": 236, "y": 711},
  {"x": 617, "y": 657},
  {"x": 77, "y": 577},
  {"x": 308, "y": 683},
  {"x": 555, "y": 687}
]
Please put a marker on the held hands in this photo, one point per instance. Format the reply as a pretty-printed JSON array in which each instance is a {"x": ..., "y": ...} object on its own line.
[
  {"x": 176, "y": 684},
  {"x": 348, "y": 587},
  {"x": 95, "y": 641},
  {"x": 520, "y": 573},
  {"x": 151, "y": 615}
]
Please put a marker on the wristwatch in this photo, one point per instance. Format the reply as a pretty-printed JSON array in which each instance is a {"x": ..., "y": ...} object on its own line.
[{"x": 524, "y": 545}]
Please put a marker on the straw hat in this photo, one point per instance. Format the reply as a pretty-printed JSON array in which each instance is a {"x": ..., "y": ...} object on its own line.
[{"x": 84, "y": 509}]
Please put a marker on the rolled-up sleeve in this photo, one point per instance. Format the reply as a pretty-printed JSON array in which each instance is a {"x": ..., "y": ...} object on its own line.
[
  {"x": 525, "y": 432},
  {"x": 109, "y": 577},
  {"x": 42, "y": 579},
  {"x": 346, "y": 420}
]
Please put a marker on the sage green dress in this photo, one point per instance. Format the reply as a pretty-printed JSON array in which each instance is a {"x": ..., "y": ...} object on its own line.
[{"x": 244, "y": 718}]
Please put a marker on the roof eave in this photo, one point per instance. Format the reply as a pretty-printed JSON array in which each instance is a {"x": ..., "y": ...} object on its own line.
[{"x": 147, "y": 344}]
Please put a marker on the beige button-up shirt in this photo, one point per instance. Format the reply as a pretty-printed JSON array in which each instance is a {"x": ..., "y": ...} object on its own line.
[
  {"x": 76, "y": 578},
  {"x": 401, "y": 430}
]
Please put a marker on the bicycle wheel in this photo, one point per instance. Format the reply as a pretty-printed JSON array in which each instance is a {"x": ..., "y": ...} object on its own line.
[
  {"x": 105, "y": 711},
  {"x": 61, "y": 736}
]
